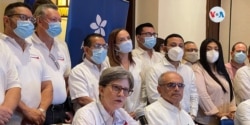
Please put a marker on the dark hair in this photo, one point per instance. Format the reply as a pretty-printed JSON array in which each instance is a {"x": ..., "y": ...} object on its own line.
[
  {"x": 114, "y": 59},
  {"x": 218, "y": 65},
  {"x": 159, "y": 43},
  {"x": 139, "y": 28},
  {"x": 9, "y": 10},
  {"x": 87, "y": 42},
  {"x": 114, "y": 73},
  {"x": 233, "y": 48},
  {"x": 172, "y": 35}
]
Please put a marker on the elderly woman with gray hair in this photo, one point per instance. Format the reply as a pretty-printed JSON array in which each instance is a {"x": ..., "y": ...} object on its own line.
[{"x": 115, "y": 85}]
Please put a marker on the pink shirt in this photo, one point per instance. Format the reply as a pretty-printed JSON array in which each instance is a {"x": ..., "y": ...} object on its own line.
[
  {"x": 212, "y": 98},
  {"x": 232, "y": 67}
]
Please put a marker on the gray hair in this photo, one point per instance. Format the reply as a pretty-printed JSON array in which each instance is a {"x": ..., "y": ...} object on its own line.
[
  {"x": 116, "y": 73},
  {"x": 40, "y": 9},
  {"x": 161, "y": 79}
]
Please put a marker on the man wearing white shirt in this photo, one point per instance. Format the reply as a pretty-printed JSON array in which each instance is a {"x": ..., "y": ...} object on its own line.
[
  {"x": 167, "y": 109},
  {"x": 10, "y": 86},
  {"x": 146, "y": 40},
  {"x": 84, "y": 77},
  {"x": 241, "y": 83},
  {"x": 37, "y": 91},
  {"x": 242, "y": 113},
  {"x": 174, "y": 51},
  {"x": 56, "y": 55}
]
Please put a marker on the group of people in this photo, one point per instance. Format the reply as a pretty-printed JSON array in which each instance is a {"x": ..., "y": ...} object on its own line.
[{"x": 166, "y": 83}]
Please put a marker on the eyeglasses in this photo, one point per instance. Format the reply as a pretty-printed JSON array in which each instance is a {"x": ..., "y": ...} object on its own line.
[
  {"x": 172, "y": 85},
  {"x": 99, "y": 46},
  {"x": 191, "y": 50},
  {"x": 24, "y": 17},
  {"x": 118, "y": 89},
  {"x": 55, "y": 61},
  {"x": 148, "y": 34}
]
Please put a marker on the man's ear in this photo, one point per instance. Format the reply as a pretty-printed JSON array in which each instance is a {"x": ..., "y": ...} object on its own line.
[
  {"x": 101, "y": 89},
  {"x": 6, "y": 20},
  {"x": 159, "y": 89},
  {"x": 164, "y": 48}
]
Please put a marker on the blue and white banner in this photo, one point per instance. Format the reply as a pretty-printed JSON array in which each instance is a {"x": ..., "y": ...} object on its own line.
[{"x": 93, "y": 16}]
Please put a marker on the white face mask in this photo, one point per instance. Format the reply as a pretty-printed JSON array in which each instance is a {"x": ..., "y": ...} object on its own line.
[
  {"x": 191, "y": 56},
  {"x": 212, "y": 56},
  {"x": 175, "y": 53}
]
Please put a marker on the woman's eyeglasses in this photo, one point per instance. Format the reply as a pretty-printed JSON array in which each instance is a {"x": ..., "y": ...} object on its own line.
[{"x": 118, "y": 89}]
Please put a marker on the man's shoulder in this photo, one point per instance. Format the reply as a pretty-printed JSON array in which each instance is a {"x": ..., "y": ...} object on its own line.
[{"x": 244, "y": 69}]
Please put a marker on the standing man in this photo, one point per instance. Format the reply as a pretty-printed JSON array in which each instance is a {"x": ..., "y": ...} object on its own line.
[
  {"x": 84, "y": 77},
  {"x": 241, "y": 83},
  {"x": 190, "y": 53},
  {"x": 36, "y": 94},
  {"x": 167, "y": 109},
  {"x": 174, "y": 51},
  {"x": 56, "y": 55},
  {"x": 10, "y": 90},
  {"x": 238, "y": 57},
  {"x": 146, "y": 40}
]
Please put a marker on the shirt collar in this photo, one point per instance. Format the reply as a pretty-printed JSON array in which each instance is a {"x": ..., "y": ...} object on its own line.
[
  {"x": 13, "y": 41},
  {"x": 167, "y": 63},
  {"x": 37, "y": 40},
  {"x": 234, "y": 64},
  {"x": 92, "y": 65},
  {"x": 106, "y": 116},
  {"x": 168, "y": 105}
]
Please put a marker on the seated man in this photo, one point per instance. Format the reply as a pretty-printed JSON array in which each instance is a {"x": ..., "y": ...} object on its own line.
[
  {"x": 84, "y": 78},
  {"x": 170, "y": 87}
]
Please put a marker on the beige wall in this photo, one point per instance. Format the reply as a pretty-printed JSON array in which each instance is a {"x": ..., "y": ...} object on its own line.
[
  {"x": 174, "y": 16},
  {"x": 240, "y": 29},
  {"x": 3, "y": 4}
]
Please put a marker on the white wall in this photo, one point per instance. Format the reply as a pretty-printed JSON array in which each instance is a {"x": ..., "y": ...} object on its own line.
[{"x": 174, "y": 16}]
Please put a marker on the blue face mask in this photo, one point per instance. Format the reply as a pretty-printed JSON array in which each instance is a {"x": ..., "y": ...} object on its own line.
[
  {"x": 54, "y": 29},
  {"x": 149, "y": 42},
  {"x": 99, "y": 55},
  {"x": 240, "y": 57},
  {"x": 24, "y": 29},
  {"x": 125, "y": 47}
]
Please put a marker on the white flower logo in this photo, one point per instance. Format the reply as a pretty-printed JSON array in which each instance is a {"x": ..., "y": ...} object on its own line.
[{"x": 99, "y": 25}]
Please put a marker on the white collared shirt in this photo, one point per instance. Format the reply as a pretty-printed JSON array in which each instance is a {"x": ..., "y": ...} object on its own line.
[
  {"x": 60, "y": 51},
  {"x": 95, "y": 114},
  {"x": 31, "y": 69},
  {"x": 241, "y": 84},
  {"x": 8, "y": 72},
  {"x": 190, "y": 98},
  {"x": 162, "y": 112},
  {"x": 84, "y": 80},
  {"x": 242, "y": 113},
  {"x": 145, "y": 58}
]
